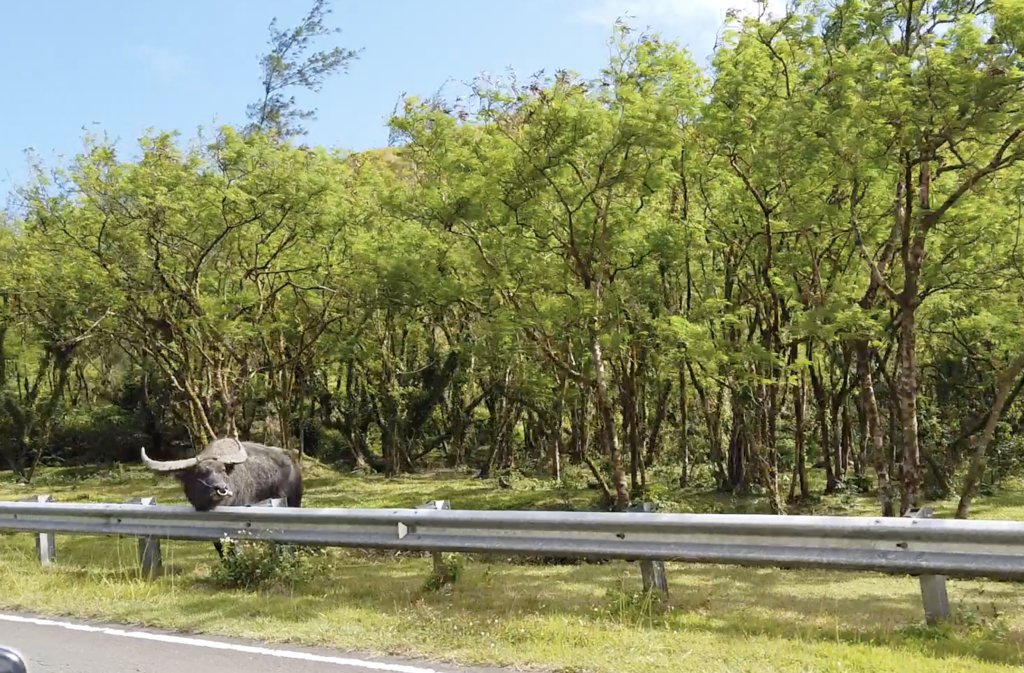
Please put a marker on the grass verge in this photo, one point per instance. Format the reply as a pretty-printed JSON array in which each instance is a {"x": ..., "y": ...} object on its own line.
[{"x": 564, "y": 618}]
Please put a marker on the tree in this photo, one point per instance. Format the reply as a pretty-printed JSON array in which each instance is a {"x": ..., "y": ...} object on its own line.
[
  {"x": 284, "y": 67},
  {"x": 943, "y": 99},
  {"x": 567, "y": 274},
  {"x": 572, "y": 173},
  {"x": 55, "y": 307},
  {"x": 219, "y": 261}
]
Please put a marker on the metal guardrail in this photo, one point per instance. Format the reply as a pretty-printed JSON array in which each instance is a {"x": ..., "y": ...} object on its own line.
[{"x": 915, "y": 545}]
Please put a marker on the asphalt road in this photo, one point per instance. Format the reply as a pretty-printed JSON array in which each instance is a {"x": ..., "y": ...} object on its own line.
[{"x": 51, "y": 645}]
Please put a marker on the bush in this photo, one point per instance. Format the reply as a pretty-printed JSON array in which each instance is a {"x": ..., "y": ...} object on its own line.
[
  {"x": 96, "y": 435},
  {"x": 328, "y": 445},
  {"x": 634, "y": 607},
  {"x": 451, "y": 566},
  {"x": 1004, "y": 459},
  {"x": 250, "y": 564}
]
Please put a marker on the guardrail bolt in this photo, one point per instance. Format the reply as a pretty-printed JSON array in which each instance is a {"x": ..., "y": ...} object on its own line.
[
  {"x": 442, "y": 573},
  {"x": 652, "y": 572},
  {"x": 933, "y": 587},
  {"x": 46, "y": 548},
  {"x": 150, "y": 556}
]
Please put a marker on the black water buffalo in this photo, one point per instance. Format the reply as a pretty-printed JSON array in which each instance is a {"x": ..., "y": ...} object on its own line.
[{"x": 230, "y": 472}]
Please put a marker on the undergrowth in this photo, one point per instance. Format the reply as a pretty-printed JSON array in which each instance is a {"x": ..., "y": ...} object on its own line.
[
  {"x": 250, "y": 563},
  {"x": 552, "y": 613}
]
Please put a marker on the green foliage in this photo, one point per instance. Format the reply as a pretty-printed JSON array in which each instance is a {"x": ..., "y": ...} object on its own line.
[
  {"x": 441, "y": 578},
  {"x": 283, "y": 67},
  {"x": 520, "y": 603},
  {"x": 1005, "y": 461},
  {"x": 251, "y": 564},
  {"x": 633, "y": 607},
  {"x": 96, "y": 435},
  {"x": 662, "y": 274}
]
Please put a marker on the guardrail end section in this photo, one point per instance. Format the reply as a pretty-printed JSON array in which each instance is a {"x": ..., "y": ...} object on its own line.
[
  {"x": 150, "y": 556},
  {"x": 652, "y": 572},
  {"x": 933, "y": 587},
  {"x": 443, "y": 574},
  {"x": 436, "y": 504},
  {"x": 46, "y": 547}
]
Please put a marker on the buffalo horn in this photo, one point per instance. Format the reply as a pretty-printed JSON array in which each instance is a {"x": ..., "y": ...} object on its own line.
[{"x": 167, "y": 465}]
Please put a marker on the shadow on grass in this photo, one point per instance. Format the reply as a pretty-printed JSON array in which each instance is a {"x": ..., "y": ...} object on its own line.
[
  {"x": 734, "y": 603},
  {"x": 876, "y": 618},
  {"x": 715, "y": 600},
  {"x": 1005, "y": 505}
]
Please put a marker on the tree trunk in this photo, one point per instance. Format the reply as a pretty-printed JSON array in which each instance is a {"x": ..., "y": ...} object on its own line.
[
  {"x": 846, "y": 436},
  {"x": 3, "y": 350},
  {"x": 283, "y": 395},
  {"x": 654, "y": 438},
  {"x": 821, "y": 400},
  {"x": 761, "y": 455},
  {"x": 835, "y": 434},
  {"x": 913, "y": 258},
  {"x": 609, "y": 436},
  {"x": 895, "y": 451},
  {"x": 801, "y": 451},
  {"x": 738, "y": 434},
  {"x": 684, "y": 441},
  {"x": 875, "y": 435},
  {"x": 556, "y": 453},
  {"x": 497, "y": 417},
  {"x": 907, "y": 396},
  {"x": 862, "y": 437},
  {"x": 713, "y": 423},
  {"x": 43, "y": 418},
  {"x": 977, "y": 469},
  {"x": 351, "y": 426},
  {"x": 601, "y": 482},
  {"x": 390, "y": 439},
  {"x": 556, "y": 431},
  {"x": 627, "y": 403},
  {"x": 580, "y": 433},
  {"x": 771, "y": 430}
]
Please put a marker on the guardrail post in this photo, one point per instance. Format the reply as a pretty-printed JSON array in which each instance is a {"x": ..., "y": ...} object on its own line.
[
  {"x": 46, "y": 548},
  {"x": 933, "y": 587},
  {"x": 270, "y": 502},
  {"x": 652, "y": 572},
  {"x": 150, "y": 557},
  {"x": 441, "y": 574}
]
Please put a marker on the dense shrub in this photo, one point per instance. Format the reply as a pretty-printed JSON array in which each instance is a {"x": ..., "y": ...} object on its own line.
[
  {"x": 249, "y": 564},
  {"x": 96, "y": 435}
]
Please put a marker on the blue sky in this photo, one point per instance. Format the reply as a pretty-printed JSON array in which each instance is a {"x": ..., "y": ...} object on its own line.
[{"x": 120, "y": 66}]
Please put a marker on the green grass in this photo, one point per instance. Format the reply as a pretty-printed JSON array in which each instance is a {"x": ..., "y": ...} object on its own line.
[{"x": 567, "y": 618}]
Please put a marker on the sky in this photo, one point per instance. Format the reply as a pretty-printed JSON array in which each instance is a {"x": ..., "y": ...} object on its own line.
[{"x": 122, "y": 66}]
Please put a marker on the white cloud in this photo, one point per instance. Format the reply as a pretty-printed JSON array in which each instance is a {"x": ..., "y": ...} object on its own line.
[
  {"x": 678, "y": 14},
  {"x": 164, "y": 62}
]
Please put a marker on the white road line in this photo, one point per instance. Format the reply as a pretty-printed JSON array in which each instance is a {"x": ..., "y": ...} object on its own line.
[{"x": 215, "y": 645}]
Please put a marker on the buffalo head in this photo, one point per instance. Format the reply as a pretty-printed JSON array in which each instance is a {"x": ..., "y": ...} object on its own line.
[{"x": 207, "y": 476}]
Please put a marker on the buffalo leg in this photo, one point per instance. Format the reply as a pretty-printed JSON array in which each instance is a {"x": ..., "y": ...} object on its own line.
[{"x": 294, "y": 498}]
